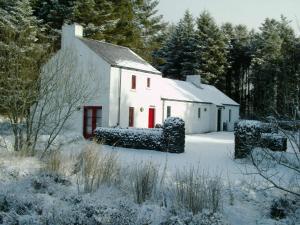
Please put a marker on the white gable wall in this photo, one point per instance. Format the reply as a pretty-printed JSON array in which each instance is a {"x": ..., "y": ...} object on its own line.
[{"x": 96, "y": 74}]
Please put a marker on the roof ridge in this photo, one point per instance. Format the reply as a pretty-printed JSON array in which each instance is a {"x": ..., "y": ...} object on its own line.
[{"x": 104, "y": 42}]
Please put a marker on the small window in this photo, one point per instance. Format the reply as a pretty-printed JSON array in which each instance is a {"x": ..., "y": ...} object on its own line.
[
  {"x": 229, "y": 115},
  {"x": 168, "y": 111},
  {"x": 133, "y": 82},
  {"x": 131, "y": 117},
  {"x": 199, "y": 113},
  {"x": 148, "y": 82}
]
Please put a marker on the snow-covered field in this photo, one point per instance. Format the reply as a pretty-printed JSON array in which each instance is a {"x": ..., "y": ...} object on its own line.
[{"x": 243, "y": 201}]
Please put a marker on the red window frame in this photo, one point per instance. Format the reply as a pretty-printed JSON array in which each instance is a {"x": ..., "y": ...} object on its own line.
[
  {"x": 131, "y": 117},
  {"x": 148, "y": 82},
  {"x": 133, "y": 82},
  {"x": 94, "y": 119}
]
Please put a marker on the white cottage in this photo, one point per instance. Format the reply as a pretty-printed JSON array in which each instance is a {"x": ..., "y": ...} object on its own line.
[{"x": 129, "y": 92}]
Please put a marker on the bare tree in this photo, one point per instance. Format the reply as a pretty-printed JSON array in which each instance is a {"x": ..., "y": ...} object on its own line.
[
  {"x": 281, "y": 170},
  {"x": 44, "y": 105}
]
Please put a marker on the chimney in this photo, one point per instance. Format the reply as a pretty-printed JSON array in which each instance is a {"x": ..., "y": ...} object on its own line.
[
  {"x": 69, "y": 33},
  {"x": 194, "y": 79}
]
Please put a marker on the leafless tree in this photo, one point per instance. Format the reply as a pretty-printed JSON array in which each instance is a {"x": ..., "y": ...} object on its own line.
[
  {"x": 281, "y": 170},
  {"x": 44, "y": 105}
]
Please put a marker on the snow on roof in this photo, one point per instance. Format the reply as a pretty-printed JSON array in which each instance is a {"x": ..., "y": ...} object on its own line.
[
  {"x": 119, "y": 56},
  {"x": 186, "y": 91}
]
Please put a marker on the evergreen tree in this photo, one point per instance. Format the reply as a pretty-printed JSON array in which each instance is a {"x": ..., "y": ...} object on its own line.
[
  {"x": 180, "y": 51},
  {"x": 53, "y": 13},
  {"x": 213, "y": 53},
  {"x": 238, "y": 81},
  {"x": 151, "y": 25}
]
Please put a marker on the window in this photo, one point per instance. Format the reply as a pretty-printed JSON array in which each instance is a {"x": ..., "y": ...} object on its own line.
[
  {"x": 133, "y": 82},
  {"x": 199, "y": 113},
  {"x": 148, "y": 82},
  {"x": 229, "y": 115},
  {"x": 131, "y": 117},
  {"x": 168, "y": 111}
]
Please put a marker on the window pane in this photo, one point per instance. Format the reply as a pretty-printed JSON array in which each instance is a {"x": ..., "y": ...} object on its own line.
[
  {"x": 89, "y": 113},
  {"x": 99, "y": 113},
  {"x": 98, "y": 122},
  {"x": 89, "y": 129}
]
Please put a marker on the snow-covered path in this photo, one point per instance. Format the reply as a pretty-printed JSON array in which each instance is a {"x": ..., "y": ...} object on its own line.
[{"x": 210, "y": 151}]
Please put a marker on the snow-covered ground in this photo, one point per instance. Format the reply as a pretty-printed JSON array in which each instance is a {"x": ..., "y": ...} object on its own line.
[{"x": 243, "y": 201}]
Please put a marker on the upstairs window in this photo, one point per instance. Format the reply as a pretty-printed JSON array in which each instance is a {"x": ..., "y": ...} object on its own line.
[
  {"x": 148, "y": 82},
  {"x": 199, "y": 113},
  {"x": 133, "y": 82},
  {"x": 168, "y": 111},
  {"x": 229, "y": 115}
]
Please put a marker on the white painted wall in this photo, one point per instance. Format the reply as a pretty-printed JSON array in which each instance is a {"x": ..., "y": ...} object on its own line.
[
  {"x": 189, "y": 113},
  {"x": 235, "y": 114},
  {"x": 93, "y": 70},
  {"x": 141, "y": 98}
]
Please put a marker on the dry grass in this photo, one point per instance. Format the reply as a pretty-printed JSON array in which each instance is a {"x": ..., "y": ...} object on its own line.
[
  {"x": 143, "y": 179},
  {"x": 54, "y": 161},
  {"x": 95, "y": 168},
  {"x": 197, "y": 191}
]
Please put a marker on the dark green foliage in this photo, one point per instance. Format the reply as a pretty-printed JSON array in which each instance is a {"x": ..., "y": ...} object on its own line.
[
  {"x": 213, "y": 52},
  {"x": 249, "y": 134},
  {"x": 173, "y": 135},
  {"x": 279, "y": 208},
  {"x": 180, "y": 52},
  {"x": 130, "y": 138},
  {"x": 169, "y": 138}
]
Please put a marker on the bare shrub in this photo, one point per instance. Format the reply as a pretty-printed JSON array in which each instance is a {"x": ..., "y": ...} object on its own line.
[
  {"x": 95, "y": 168},
  {"x": 197, "y": 191},
  {"x": 143, "y": 180}
]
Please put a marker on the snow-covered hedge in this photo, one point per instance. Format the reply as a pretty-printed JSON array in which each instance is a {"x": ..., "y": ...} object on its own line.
[
  {"x": 275, "y": 142},
  {"x": 173, "y": 135},
  {"x": 170, "y": 138},
  {"x": 130, "y": 137},
  {"x": 251, "y": 133}
]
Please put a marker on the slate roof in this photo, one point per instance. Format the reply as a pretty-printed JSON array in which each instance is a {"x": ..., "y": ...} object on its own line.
[
  {"x": 185, "y": 91},
  {"x": 119, "y": 56}
]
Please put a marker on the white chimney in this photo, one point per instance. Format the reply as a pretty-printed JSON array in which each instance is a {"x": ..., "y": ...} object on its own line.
[
  {"x": 194, "y": 79},
  {"x": 69, "y": 33}
]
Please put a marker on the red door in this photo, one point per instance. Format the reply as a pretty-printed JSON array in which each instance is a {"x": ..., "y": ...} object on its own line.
[
  {"x": 151, "y": 118},
  {"x": 92, "y": 118}
]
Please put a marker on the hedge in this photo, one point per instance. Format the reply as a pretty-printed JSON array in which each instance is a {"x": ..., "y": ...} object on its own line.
[
  {"x": 169, "y": 138},
  {"x": 251, "y": 133}
]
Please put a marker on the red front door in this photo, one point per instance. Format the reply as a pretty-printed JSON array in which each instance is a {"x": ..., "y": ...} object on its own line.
[
  {"x": 92, "y": 118},
  {"x": 151, "y": 118}
]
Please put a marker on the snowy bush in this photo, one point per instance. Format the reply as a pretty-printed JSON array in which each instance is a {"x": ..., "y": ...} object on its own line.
[
  {"x": 130, "y": 137},
  {"x": 275, "y": 142},
  {"x": 169, "y": 138},
  {"x": 173, "y": 135},
  {"x": 251, "y": 133}
]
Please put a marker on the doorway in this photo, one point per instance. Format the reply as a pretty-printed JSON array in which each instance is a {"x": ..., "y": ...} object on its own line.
[
  {"x": 92, "y": 118},
  {"x": 151, "y": 118},
  {"x": 219, "y": 121}
]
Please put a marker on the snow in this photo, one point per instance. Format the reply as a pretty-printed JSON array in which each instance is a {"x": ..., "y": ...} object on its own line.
[
  {"x": 212, "y": 152},
  {"x": 186, "y": 91}
]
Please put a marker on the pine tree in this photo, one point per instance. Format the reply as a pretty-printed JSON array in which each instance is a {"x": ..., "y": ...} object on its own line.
[
  {"x": 265, "y": 67},
  {"x": 180, "y": 51},
  {"x": 151, "y": 25},
  {"x": 213, "y": 53},
  {"x": 22, "y": 52},
  {"x": 53, "y": 13}
]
